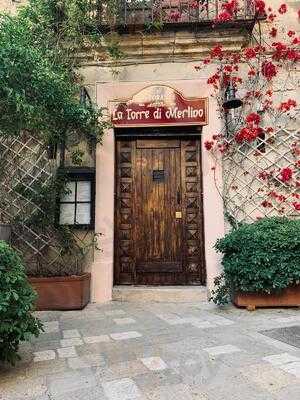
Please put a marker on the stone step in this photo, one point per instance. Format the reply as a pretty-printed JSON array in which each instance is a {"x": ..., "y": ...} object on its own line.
[{"x": 160, "y": 294}]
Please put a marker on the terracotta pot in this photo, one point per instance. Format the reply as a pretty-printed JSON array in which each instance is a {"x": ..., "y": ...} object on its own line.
[
  {"x": 289, "y": 297},
  {"x": 62, "y": 293}
]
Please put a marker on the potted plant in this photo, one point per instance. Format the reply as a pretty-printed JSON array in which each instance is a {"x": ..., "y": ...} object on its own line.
[
  {"x": 57, "y": 255},
  {"x": 261, "y": 264},
  {"x": 60, "y": 279},
  {"x": 16, "y": 305},
  {"x": 71, "y": 292}
]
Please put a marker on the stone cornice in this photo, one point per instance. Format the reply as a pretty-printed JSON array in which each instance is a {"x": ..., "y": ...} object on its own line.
[{"x": 162, "y": 47}]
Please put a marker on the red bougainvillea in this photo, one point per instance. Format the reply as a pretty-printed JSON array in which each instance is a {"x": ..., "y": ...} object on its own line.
[
  {"x": 264, "y": 112},
  {"x": 296, "y": 205},
  {"x": 286, "y": 174},
  {"x": 208, "y": 144},
  {"x": 260, "y": 6},
  {"x": 282, "y": 9},
  {"x": 268, "y": 70},
  {"x": 287, "y": 105},
  {"x": 273, "y": 32},
  {"x": 250, "y": 53},
  {"x": 253, "y": 118},
  {"x": 248, "y": 134}
]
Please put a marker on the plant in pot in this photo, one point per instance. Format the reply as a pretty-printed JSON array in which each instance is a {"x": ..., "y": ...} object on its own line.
[
  {"x": 58, "y": 255},
  {"x": 16, "y": 304},
  {"x": 261, "y": 264},
  {"x": 60, "y": 279}
]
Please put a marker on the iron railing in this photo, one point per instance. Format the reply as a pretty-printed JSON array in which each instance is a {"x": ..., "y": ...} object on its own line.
[{"x": 128, "y": 13}]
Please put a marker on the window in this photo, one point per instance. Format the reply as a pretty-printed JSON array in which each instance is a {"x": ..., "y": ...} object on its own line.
[{"x": 76, "y": 205}]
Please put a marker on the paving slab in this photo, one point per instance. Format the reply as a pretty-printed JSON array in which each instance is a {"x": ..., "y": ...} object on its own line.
[
  {"x": 124, "y": 389},
  {"x": 70, "y": 381}
]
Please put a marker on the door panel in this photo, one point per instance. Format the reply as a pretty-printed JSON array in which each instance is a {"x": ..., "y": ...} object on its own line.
[{"x": 158, "y": 213}]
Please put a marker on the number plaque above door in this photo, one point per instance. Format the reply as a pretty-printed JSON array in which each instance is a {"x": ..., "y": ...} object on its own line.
[{"x": 159, "y": 105}]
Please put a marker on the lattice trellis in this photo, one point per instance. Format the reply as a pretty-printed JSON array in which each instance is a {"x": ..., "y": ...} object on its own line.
[
  {"x": 25, "y": 169},
  {"x": 252, "y": 184}
]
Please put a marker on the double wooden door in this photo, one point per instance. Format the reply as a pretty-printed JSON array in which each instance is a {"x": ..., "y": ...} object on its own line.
[{"x": 158, "y": 227}]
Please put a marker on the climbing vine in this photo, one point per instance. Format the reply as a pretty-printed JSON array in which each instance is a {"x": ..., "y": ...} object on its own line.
[
  {"x": 258, "y": 145},
  {"x": 40, "y": 107}
]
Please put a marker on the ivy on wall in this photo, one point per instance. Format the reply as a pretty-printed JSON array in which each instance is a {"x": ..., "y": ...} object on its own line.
[
  {"x": 40, "y": 105},
  {"x": 39, "y": 85}
]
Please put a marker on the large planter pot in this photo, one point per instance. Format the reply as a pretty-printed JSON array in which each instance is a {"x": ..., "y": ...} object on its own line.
[
  {"x": 62, "y": 293},
  {"x": 289, "y": 297}
]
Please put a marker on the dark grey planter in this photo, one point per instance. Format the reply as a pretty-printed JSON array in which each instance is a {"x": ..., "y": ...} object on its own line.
[{"x": 5, "y": 232}]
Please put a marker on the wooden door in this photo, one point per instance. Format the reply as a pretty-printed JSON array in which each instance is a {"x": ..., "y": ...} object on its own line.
[{"x": 158, "y": 236}]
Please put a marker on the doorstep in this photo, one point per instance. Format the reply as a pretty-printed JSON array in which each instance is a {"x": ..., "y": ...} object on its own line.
[{"x": 159, "y": 294}]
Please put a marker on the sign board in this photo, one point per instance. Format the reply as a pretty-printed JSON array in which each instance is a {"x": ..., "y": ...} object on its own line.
[{"x": 159, "y": 105}]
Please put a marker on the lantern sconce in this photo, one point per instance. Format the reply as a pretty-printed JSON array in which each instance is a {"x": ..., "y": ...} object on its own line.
[{"x": 230, "y": 99}]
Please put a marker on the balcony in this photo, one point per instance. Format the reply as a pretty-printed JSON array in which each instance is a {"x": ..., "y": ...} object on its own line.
[{"x": 132, "y": 15}]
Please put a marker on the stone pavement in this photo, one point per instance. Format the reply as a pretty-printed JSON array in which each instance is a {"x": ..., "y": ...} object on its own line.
[{"x": 159, "y": 351}]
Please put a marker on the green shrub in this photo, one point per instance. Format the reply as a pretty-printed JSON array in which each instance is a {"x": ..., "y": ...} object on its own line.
[
  {"x": 261, "y": 257},
  {"x": 16, "y": 303}
]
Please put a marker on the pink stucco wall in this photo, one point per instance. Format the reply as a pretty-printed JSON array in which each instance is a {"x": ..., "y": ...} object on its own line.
[{"x": 102, "y": 269}]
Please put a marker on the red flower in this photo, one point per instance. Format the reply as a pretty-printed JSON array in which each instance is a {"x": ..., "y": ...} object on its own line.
[
  {"x": 266, "y": 203},
  {"x": 280, "y": 50},
  {"x": 293, "y": 55},
  {"x": 230, "y": 6},
  {"x": 281, "y": 198},
  {"x": 214, "y": 79},
  {"x": 287, "y": 105},
  {"x": 216, "y": 52},
  {"x": 291, "y": 33},
  {"x": 268, "y": 70},
  {"x": 271, "y": 17},
  {"x": 252, "y": 72},
  {"x": 273, "y": 194},
  {"x": 286, "y": 174},
  {"x": 208, "y": 145},
  {"x": 248, "y": 134},
  {"x": 249, "y": 53},
  {"x": 175, "y": 16},
  {"x": 253, "y": 118},
  {"x": 260, "y": 6},
  {"x": 224, "y": 17},
  {"x": 264, "y": 175},
  {"x": 296, "y": 40},
  {"x": 273, "y": 32},
  {"x": 194, "y": 4},
  {"x": 296, "y": 206},
  {"x": 282, "y": 9}
]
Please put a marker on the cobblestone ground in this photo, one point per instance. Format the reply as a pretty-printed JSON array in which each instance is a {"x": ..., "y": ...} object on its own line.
[{"x": 126, "y": 351}]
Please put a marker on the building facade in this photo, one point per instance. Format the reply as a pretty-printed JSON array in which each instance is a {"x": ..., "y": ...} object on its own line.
[{"x": 157, "y": 202}]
